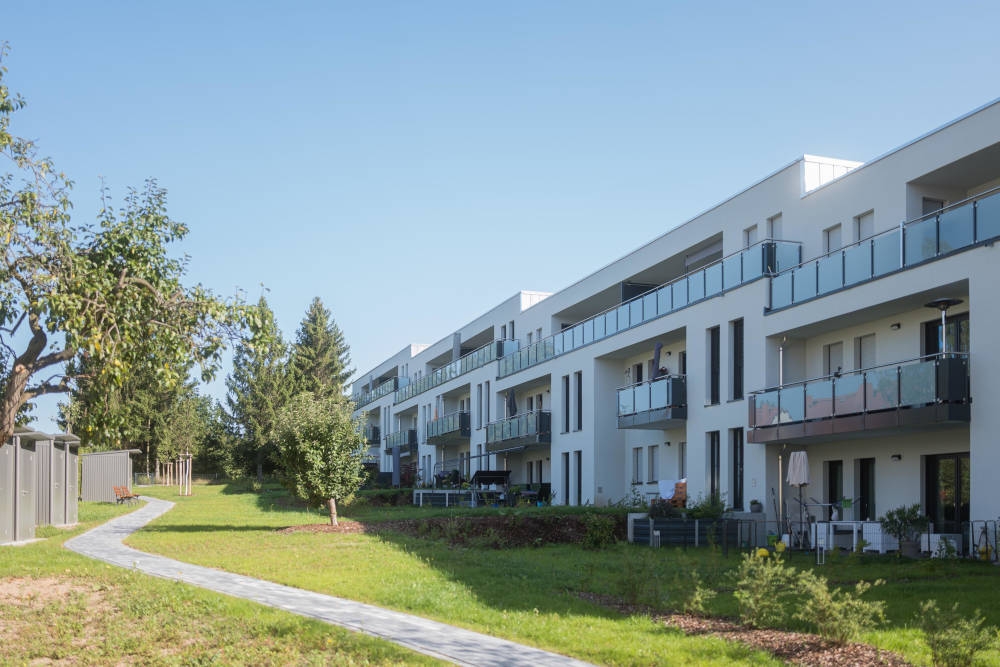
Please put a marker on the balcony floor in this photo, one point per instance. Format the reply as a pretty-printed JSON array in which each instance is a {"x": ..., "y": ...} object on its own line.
[
  {"x": 863, "y": 425},
  {"x": 655, "y": 420}
]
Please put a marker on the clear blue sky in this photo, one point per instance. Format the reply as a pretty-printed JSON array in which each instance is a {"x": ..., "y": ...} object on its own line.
[{"x": 414, "y": 163}]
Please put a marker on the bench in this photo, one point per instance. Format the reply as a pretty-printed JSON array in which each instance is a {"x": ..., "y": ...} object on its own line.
[{"x": 123, "y": 495}]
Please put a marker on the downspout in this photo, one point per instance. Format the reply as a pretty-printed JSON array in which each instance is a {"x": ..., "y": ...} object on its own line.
[{"x": 781, "y": 477}]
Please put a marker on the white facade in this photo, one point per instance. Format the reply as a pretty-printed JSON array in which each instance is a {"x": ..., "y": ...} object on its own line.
[{"x": 862, "y": 305}]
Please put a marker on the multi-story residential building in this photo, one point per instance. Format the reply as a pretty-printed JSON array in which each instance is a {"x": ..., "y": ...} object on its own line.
[{"x": 800, "y": 314}]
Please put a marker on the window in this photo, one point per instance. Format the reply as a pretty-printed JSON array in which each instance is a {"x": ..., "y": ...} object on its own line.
[
  {"x": 865, "y": 490},
  {"x": 713, "y": 366},
  {"x": 713, "y": 464},
  {"x": 538, "y": 333},
  {"x": 947, "y": 491},
  {"x": 479, "y": 409},
  {"x": 929, "y": 205},
  {"x": 653, "y": 472},
  {"x": 538, "y": 403},
  {"x": 833, "y": 358},
  {"x": 503, "y": 332},
  {"x": 637, "y": 373},
  {"x": 864, "y": 225},
  {"x": 864, "y": 351},
  {"x": 682, "y": 360},
  {"x": 565, "y": 467},
  {"x": 956, "y": 334},
  {"x": 834, "y": 486},
  {"x": 637, "y": 465},
  {"x": 540, "y": 480},
  {"x": 579, "y": 400},
  {"x": 774, "y": 227},
  {"x": 682, "y": 460},
  {"x": 512, "y": 337},
  {"x": 479, "y": 457},
  {"x": 736, "y": 330},
  {"x": 531, "y": 404},
  {"x": 578, "y": 456},
  {"x": 531, "y": 472},
  {"x": 489, "y": 397},
  {"x": 565, "y": 392},
  {"x": 749, "y": 236},
  {"x": 529, "y": 338},
  {"x": 832, "y": 238},
  {"x": 736, "y": 443}
]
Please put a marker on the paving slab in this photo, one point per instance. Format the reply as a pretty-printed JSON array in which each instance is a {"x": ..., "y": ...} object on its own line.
[{"x": 439, "y": 640}]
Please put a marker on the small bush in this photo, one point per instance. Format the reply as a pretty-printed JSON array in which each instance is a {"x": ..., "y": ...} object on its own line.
[
  {"x": 764, "y": 585},
  {"x": 837, "y": 614},
  {"x": 707, "y": 507},
  {"x": 599, "y": 531},
  {"x": 695, "y": 595},
  {"x": 662, "y": 509},
  {"x": 953, "y": 639}
]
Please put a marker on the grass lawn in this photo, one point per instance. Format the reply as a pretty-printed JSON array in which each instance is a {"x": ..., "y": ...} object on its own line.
[
  {"x": 57, "y": 606},
  {"x": 520, "y": 594},
  {"x": 529, "y": 594}
]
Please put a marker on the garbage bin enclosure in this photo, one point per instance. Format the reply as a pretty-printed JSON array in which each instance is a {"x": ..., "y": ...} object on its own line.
[
  {"x": 102, "y": 471},
  {"x": 17, "y": 489},
  {"x": 56, "y": 466}
]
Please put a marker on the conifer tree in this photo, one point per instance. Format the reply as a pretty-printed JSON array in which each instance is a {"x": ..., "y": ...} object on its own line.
[
  {"x": 259, "y": 386},
  {"x": 321, "y": 357}
]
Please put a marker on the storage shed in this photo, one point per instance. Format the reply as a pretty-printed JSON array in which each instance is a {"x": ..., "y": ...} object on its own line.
[
  {"x": 17, "y": 486},
  {"x": 56, "y": 465},
  {"x": 104, "y": 470}
]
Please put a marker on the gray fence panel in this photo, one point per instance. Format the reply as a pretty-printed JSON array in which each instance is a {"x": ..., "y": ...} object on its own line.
[
  {"x": 25, "y": 475},
  {"x": 7, "y": 493},
  {"x": 104, "y": 470}
]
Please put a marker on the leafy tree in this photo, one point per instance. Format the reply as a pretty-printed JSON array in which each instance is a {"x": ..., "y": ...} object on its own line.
[
  {"x": 321, "y": 357},
  {"x": 320, "y": 450},
  {"x": 95, "y": 303},
  {"x": 258, "y": 387}
]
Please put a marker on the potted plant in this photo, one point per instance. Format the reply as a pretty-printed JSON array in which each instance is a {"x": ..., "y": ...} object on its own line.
[
  {"x": 905, "y": 524},
  {"x": 756, "y": 506}
]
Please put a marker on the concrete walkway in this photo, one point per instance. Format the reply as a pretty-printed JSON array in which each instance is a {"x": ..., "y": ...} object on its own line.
[{"x": 439, "y": 640}]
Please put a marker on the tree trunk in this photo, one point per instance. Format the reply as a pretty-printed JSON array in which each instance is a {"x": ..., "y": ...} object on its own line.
[
  {"x": 332, "y": 503},
  {"x": 260, "y": 467}
]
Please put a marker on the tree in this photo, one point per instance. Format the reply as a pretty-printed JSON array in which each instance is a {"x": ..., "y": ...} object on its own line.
[
  {"x": 94, "y": 304},
  {"x": 258, "y": 387},
  {"x": 321, "y": 357},
  {"x": 320, "y": 450}
]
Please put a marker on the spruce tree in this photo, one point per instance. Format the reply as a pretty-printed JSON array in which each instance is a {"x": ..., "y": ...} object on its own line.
[
  {"x": 259, "y": 386},
  {"x": 321, "y": 357}
]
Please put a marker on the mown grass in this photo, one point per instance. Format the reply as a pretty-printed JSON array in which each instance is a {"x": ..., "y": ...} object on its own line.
[
  {"x": 530, "y": 594},
  {"x": 57, "y": 606}
]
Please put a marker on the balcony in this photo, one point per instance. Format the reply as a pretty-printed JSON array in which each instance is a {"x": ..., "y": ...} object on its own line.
[
  {"x": 520, "y": 432},
  {"x": 406, "y": 441},
  {"x": 960, "y": 226},
  {"x": 450, "y": 429},
  {"x": 471, "y": 361},
  {"x": 916, "y": 393},
  {"x": 373, "y": 434},
  {"x": 659, "y": 404},
  {"x": 761, "y": 259},
  {"x": 384, "y": 389}
]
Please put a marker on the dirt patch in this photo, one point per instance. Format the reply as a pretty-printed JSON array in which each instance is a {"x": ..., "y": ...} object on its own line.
[
  {"x": 498, "y": 532},
  {"x": 799, "y": 648},
  {"x": 30, "y": 592}
]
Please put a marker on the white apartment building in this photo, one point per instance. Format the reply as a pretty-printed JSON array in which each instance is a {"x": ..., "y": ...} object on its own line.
[{"x": 793, "y": 316}]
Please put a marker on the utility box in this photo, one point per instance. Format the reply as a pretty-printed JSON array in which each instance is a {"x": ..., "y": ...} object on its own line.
[
  {"x": 18, "y": 479},
  {"x": 102, "y": 471},
  {"x": 57, "y": 471}
]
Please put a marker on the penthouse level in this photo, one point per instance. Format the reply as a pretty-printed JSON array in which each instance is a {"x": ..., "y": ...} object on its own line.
[{"x": 781, "y": 319}]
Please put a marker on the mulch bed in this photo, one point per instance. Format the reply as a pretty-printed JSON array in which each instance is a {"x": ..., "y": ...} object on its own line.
[
  {"x": 500, "y": 531},
  {"x": 798, "y": 648}
]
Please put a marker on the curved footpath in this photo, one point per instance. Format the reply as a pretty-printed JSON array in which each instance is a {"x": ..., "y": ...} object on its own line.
[{"x": 438, "y": 640}]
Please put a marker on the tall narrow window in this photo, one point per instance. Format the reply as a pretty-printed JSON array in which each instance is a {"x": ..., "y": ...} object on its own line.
[
  {"x": 479, "y": 457},
  {"x": 864, "y": 225},
  {"x": 565, "y": 470},
  {"x": 531, "y": 472},
  {"x": 565, "y": 403},
  {"x": 503, "y": 332},
  {"x": 578, "y": 455},
  {"x": 774, "y": 227},
  {"x": 579, "y": 400},
  {"x": 682, "y": 469},
  {"x": 713, "y": 366},
  {"x": 512, "y": 336},
  {"x": 713, "y": 464},
  {"x": 489, "y": 398},
  {"x": 864, "y": 351},
  {"x": 540, "y": 480},
  {"x": 736, "y": 441},
  {"x": 479, "y": 403},
  {"x": 683, "y": 362},
  {"x": 833, "y": 358},
  {"x": 865, "y": 490},
  {"x": 737, "y": 352},
  {"x": 834, "y": 487},
  {"x": 832, "y": 238},
  {"x": 653, "y": 474},
  {"x": 749, "y": 236},
  {"x": 637, "y": 465}
]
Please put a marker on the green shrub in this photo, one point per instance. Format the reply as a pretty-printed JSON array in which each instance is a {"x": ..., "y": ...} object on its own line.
[
  {"x": 764, "y": 585},
  {"x": 694, "y": 595},
  {"x": 599, "y": 531},
  {"x": 904, "y": 523},
  {"x": 662, "y": 509},
  {"x": 707, "y": 507},
  {"x": 837, "y": 614},
  {"x": 953, "y": 639}
]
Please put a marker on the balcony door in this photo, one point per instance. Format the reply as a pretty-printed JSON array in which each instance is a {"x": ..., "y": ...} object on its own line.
[
  {"x": 956, "y": 334},
  {"x": 947, "y": 487}
]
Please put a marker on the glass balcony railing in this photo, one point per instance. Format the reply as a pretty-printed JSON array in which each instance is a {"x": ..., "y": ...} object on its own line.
[
  {"x": 532, "y": 425},
  {"x": 663, "y": 392},
  {"x": 471, "y": 361},
  {"x": 958, "y": 226},
  {"x": 456, "y": 424},
  {"x": 372, "y": 434},
  {"x": 938, "y": 378},
  {"x": 406, "y": 440},
  {"x": 761, "y": 259},
  {"x": 384, "y": 389}
]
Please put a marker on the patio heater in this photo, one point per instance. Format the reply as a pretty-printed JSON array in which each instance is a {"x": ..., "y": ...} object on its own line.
[{"x": 943, "y": 305}]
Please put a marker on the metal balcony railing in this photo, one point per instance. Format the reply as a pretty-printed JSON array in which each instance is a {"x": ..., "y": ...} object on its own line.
[
  {"x": 664, "y": 392},
  {"x": 406, "y": 440},
  {"x": 537, "y": 423},
  {"x": 455, "y": 424},
  {"x": 384, "y": 389},
  {"x": 471, "y": 361},
  {"x": 956, "y": 227},
  {"x": 764, "y": 258}
]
